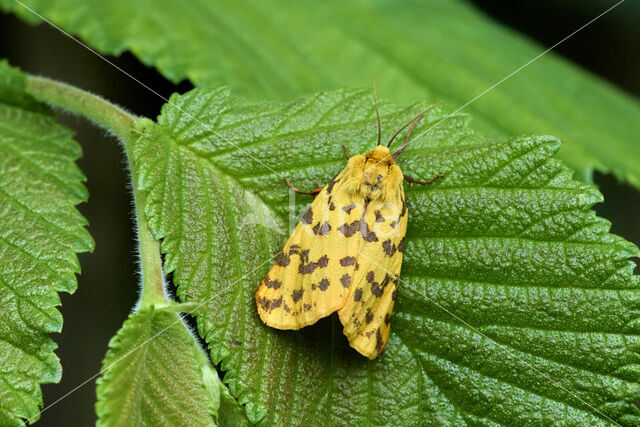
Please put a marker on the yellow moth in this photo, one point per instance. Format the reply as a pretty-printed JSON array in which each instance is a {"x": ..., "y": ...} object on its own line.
[{"x": 345, "y": 254}]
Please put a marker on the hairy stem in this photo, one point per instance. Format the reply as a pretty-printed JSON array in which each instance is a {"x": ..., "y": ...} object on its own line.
[
  {"x": 121, "y": 123},
  {"x": 152, "y": 275},
  {"x": 86, "y": 104}
]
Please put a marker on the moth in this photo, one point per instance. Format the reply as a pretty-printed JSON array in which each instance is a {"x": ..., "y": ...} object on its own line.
[{"x": 345, "y": 254}]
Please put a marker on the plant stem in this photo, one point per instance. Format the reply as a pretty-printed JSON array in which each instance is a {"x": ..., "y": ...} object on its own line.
[
  {"x": 86, "y": 104},
  {"x": 121, "y": 123},
  {"x": 152, "y": 275}
]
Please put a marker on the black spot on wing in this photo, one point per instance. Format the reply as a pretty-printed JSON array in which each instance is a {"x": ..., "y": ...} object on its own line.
[
  {"x": 263, "y": 302},
  {"x": 272, "y": 284},
  {"x": 388, "y": 248},
  {"x": 282, "y": 260},
  {"x": 376, "y": 289},
  {"x": 330, "y": 185},
  {"x": 401, "y": 245},
  {"x": 368, "y": 318},
  {"x": 307, "y": 218},
  {"x": 268, "y": 304},
  {"x": 387, "y": 319},
  {"x": 347, "y": 261},
  {"x": 357, "y": 295},
  {"x": 379, "y": 217},
  {"x": 294, "y": 250},
  {"x": 370, "y": 276},
  {"x": 323, "y": 284},
  {"x": 321, "y": 229},
  {"x": 297, "y": 295},
  {"x": 367, "y": 234},
  {"x": 350, "y": 229},
  {"x": 345, "y": 280},
  {"x": 307, "y": 267},
  {"x": 386, "y": 280},
  {"x": 323, "y": 261},
  {"x": 396, "y": 281},
  {"x": 379, "y": 342},
  {"x": 349, "y": 208},
  {"x": 275, "y": 303}
]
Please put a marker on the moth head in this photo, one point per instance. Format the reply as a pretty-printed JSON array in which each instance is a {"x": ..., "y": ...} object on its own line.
[{"x": 379, "y": 173}]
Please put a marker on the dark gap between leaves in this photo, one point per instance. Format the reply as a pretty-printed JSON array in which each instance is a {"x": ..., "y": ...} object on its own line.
[{"x": 621, "y": 205}]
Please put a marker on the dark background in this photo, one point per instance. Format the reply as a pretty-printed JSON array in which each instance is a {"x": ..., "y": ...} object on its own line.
[{"x": 107, "y": 288}]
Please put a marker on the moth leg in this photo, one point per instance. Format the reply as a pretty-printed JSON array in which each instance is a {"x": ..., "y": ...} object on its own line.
[
  {"x": 346, "y": 152},
  {"x": 314, "y": 191},
  {"x": 415, "y": 181}
]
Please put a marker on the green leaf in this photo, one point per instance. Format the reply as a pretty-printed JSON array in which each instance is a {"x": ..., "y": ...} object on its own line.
[
  {"x": 41, "y": 233},
  {"x": 155, "y": 374},
  {"x": 12, "y": 83},
  {"x": 231, "y": 413},
  {"x": 432, "y": 49},
  {"x": 516, "y": 305}
]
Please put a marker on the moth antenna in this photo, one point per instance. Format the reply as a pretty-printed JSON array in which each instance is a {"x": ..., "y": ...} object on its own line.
[
  {"x": 375, "y": 99},
  {"x": 413, "y": 122},
  {"x": 401, "y": 129}
]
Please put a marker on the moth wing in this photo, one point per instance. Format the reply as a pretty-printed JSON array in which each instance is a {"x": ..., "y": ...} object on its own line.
[
  {"x": 313, "y": 273},
  {"x": 366, "y": 314}
]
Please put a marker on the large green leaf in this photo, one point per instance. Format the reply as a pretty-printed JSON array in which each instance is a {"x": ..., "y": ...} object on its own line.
[
  {"x": 40, "y": 234},
  {"x": 155, "y": 374},
  {"x": 428, "y": 49},
  {"x": 516, "y": 305}
]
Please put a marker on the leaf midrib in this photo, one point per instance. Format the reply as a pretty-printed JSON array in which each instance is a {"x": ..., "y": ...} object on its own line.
[
  {"x": 459, "y": 322},
  {"x": 427, "y": 277}
]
